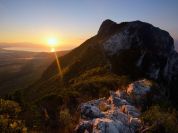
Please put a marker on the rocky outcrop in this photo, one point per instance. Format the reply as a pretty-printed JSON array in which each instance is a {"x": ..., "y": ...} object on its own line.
[
  {"x": 139, "y": 35},
  {"x": 152, "y": 48},
  {"x": 115, "y": 114}
]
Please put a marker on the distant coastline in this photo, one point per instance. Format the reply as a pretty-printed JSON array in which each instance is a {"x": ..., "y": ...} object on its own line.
[
  {"x": 27, "y": 49},
  {"x": 31, "y": 47}
]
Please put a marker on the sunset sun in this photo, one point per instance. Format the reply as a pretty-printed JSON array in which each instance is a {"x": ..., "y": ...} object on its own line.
[{"x": 53, "y": 43}]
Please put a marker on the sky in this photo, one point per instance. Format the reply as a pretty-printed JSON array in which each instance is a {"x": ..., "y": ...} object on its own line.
[{"x": 74, "y": 21}]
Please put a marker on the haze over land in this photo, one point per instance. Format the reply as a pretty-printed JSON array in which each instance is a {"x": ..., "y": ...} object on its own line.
[{"x": 31, "y": 47}]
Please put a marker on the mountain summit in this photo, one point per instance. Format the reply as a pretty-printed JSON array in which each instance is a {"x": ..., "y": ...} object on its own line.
[{"x": 149, "y": 49}]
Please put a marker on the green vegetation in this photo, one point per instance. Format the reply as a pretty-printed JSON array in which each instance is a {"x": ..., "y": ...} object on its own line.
[
  {"x": 159, "y": 119},
  {"x": 10, "y": 121},
  {"x": 66, "y": 121}
]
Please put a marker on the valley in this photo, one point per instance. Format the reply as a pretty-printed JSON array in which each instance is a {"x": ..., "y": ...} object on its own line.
[{"x": 19, "y": 69}]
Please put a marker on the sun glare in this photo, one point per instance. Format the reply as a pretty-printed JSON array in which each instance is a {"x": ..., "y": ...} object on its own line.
[
  {"x": 53, "y": 50},
  {"x": 52, "y": 42}
]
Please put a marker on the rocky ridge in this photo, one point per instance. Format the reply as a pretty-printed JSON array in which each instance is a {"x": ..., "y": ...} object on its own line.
[{"x": 117, "y": 114}]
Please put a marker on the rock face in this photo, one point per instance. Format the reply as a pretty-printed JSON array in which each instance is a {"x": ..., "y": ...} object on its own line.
[
  {"x": 139, "y": 35},
  {"x": 115, "y": 114},
  {"x": 151, "y": 49}
]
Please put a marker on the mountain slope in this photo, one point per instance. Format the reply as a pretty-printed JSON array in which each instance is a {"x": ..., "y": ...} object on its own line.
[
  {"x": 117, "y": 55},
  {"x": 134, "y": 48}
]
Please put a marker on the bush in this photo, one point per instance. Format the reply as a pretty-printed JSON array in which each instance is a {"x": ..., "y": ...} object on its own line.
[
  {"x": 65, "y": 117},
  {"x": 9, "y": 107},
  {"x": 160, "y": 120},
  {"x": 9, "y": 121},
  {"x": 66, "y": 122}
]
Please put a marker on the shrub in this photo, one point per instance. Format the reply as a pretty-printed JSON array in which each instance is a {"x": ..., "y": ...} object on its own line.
[
  {"x": 66, "y": 122},
  {"x": 9, "y": 121},
  {"x": 160, "y": 120},
  {"x": 64, "y": 116}
]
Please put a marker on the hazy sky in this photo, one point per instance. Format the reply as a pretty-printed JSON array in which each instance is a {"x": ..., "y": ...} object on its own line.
[{"x": 76, "y": 20}]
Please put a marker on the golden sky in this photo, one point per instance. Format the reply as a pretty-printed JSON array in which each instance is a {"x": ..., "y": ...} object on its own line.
[{"x": 72, "y": 22}]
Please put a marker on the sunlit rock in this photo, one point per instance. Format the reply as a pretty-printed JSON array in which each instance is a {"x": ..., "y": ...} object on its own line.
[
  {"x": 109, "y": 126},
  {"x": 90, "y": 111},
  {"x": 115, "y": 114},
  {"x": 131, "y": 111},
  {"x": 139, "y": 88}
]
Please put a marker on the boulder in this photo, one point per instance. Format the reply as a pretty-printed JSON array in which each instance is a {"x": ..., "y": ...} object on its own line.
[
  {"x": 139, "y": 88},
  {"x": 90, "y": 111},
  {"x": 83, "y": 127},
  {"x": 110, "y": 126},
  {"x": 131, "y": 111}
]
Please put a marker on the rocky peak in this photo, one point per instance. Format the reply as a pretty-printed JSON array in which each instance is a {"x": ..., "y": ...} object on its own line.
[
  {"x": 138, "y": 35},
  {"x": 106, "y": 25},
  {"x": 107, "y": 28},
  {"x": 150, "y": 48}
]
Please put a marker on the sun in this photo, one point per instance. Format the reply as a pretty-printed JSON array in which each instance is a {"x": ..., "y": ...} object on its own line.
[{"x": 52, "y": 42}]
